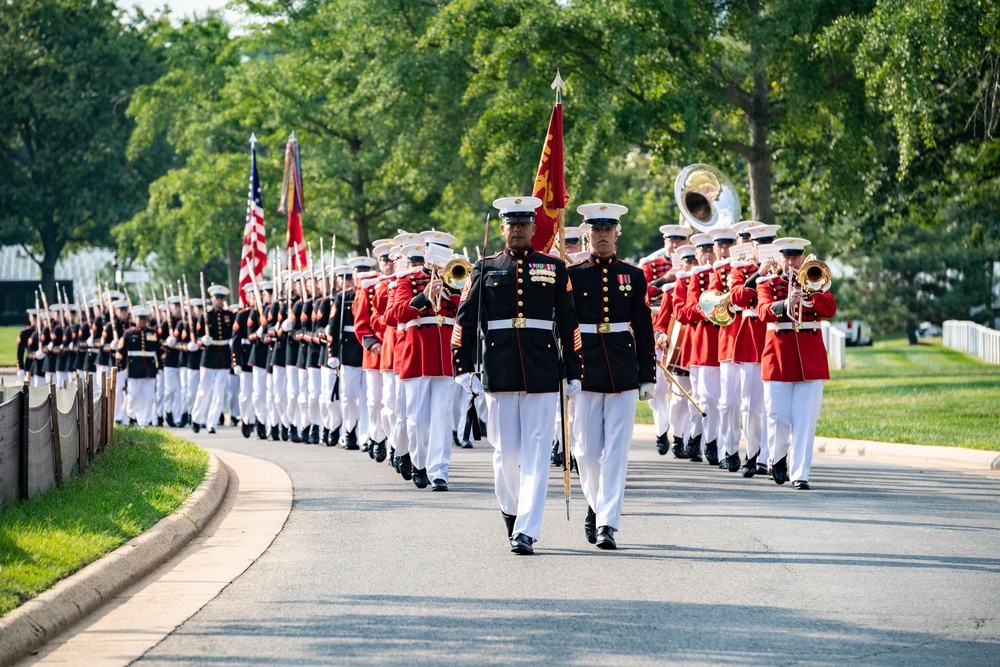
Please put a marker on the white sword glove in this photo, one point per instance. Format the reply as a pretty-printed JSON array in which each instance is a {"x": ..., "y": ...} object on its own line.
[
  {"x": 192, "y": 347},
  {"x": 171, "y": 341},
  {"x": 646, "y": 391},
  {"x": 573, "y": 388},
  {"x": 333, "y": 362},
  {"x": 287, "y": 326}
]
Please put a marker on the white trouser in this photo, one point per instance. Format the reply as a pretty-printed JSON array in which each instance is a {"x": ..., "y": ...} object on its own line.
[
  {"x": 705, "y": 390},
  {"x": 793, "y": 407},
  {"x": 191, "y": 378},
  {"x": 258, "y": 395},
  {"x": 39, "y": 381},
  {"x": 305, "y": 404},
  {"x": 172, "y": 398},
  {"x": 682, "y": 414},
  {"x": 211, "y": 395},
  {"x": 99, "y": 377},
  {"x": 428, "y": 424},
  {"x": 729, "y": 408},
  {"x": 328, "y": 408},
  {"x": 400, "y": 436},
  {"x": 291, "y": 401},
  {"x": 140, "y": 400},
  {"x": 273, "y": 419},
  {"x": 363, "y": 425},
  {"x": 232, "y": 402},
  {"x": 660, "y": 403},
  {"x": 387, "y": 416},
  {"x": 520, "y": 428},
  {"x": 62, "y": 379},
  {"x": 351, "y": 396},
  {"x": 752, "y": 410},
  {"x": 121, "y": 408},
  {"x": 247, "y": 411},
  {"x": 281, "y": 395},
  {"x": 602, "y": 433},
  {"x": 373, "y": 393},
  {"x": 315, "y": 389}
]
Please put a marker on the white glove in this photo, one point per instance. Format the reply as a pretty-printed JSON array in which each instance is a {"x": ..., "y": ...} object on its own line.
[
  {"x": 49, "y": 347},
  {"x": 39, "y": 355},
  {"x": 573, "y": 388},
  {"x": 20, "y": 375},
  {"x": 116, "y": 344},
  {"x": 646, "y": 391},
  {"x": 171, "y": 341},
  {"x": 262, "y": 332},
  {"x": 470, "y": 383},
  {"x": 238, "y": 370},
  {"x": 90, "y": 342},
  {"x": 192, "y": 347},
  {"x": 206, "y": 340},
  {"x": 333, "y": 362},
  {"x": 287, "y": 326}
]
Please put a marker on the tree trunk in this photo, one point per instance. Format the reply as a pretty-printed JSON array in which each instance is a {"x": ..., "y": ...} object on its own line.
[
  {"x": 758, "y": 121},
  {"x": 233, "y": 261},
  {"x": 52, "y": 247}
]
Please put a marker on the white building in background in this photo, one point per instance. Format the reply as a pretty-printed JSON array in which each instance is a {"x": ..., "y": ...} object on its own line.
[{"x": 82, "y": 265}]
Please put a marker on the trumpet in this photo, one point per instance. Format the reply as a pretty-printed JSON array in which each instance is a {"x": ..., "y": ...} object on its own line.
[{"x": 456, "y": 273}]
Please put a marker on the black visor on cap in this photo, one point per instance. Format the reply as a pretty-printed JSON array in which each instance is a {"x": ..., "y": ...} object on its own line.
[
  {"x": 745, "y": 235},
  {"x": 792, "y": 252},
  {"x": 764, "y": 240},
  {"x": 518, "y": 217},
  {"x": 573, "y": 239},
  {"x": 726, "y": 241},
  {"x": 676, "y": 237},
  {"x": 705, "y": 245},
  {"x": 602, "y": 222}
]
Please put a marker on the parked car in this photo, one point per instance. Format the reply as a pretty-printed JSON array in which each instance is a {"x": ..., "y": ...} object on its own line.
[
  {"x": 857, "y": 332},
  {"x": 928, "y": 330}
]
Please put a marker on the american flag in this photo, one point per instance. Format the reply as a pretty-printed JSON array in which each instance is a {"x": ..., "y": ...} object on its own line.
[{"x": 254, "y": 257}]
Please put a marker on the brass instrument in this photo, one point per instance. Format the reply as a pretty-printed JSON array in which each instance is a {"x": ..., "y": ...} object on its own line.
[
  {"x": 456, "y": 273},
  {"x": 814, "y": 276},
  {"x": 717, "y": 307},
  {"x": 706, "y": 197}
]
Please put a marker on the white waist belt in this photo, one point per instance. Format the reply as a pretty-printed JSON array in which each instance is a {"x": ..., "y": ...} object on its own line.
[
  {"x": 789, "y": 326},
  {"x": 437, "y": 319},
  {"x": 140, "y": 353},
  {"x": 348, "y": 328},
  {"x": 400, "y": 327},
  {"x": 219, "y": 343},
  {"x": 748, "y": 312},
  {"x": 519, "y": 323},
  {"x": 605, "y": 327}
]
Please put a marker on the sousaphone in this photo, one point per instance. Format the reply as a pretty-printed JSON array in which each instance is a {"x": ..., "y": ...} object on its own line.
[{"x": 706, "y": 198}]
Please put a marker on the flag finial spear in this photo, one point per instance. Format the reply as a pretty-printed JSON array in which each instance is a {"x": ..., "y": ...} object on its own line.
[
  {"x": 559, "y": 86},
  {"x": 253, "y": 140},
  {"x": 291, "y": 137}
]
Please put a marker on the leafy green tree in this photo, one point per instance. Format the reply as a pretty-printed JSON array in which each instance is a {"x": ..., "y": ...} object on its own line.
[{"x": 68, "y": 69}]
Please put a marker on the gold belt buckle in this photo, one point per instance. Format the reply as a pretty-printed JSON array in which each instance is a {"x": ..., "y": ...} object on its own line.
[
  {"x": 604, "y": 328},
  {"x": 440, "y": 319},
  {"x": 519, "y": 322},
  {"x": 796, "y": 327}
]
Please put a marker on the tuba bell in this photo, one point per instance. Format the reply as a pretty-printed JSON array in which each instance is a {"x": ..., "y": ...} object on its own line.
[
  {"x": 717, "y": 307},
  {"x": 706, "y": 197},
  {"x": 456, "y": 273}
]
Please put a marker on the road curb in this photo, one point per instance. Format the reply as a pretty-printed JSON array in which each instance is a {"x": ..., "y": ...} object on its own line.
[
  {"x": 38, "y": 620},
  {"x": 921, "y": 456}
]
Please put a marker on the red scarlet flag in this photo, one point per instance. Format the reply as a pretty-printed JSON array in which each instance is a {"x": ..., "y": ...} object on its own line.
[
  {"x": 292, "y": 203},
  {"x": 550, "y": 185}
]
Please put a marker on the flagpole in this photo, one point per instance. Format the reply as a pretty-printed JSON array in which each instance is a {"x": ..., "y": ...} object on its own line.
[{"x": 559, "y": 85}]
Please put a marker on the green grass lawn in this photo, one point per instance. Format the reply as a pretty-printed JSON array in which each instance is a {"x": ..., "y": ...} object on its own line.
[
  {"x": 918, "y": 394},
  {"x": 142, "y": 477},
  {"x": 8, "y": 345}
]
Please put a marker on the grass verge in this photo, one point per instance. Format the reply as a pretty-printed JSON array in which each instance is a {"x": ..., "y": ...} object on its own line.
[
  {"x": 918, "y": 394},
  {"x": 143, "y": 477},
  {"x": 8, "y": 345}
]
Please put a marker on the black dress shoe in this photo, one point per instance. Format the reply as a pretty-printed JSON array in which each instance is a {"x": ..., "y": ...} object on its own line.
[
  {"x": 222, "y": 420},
  {"x": 749, "y": 467},
  {"x": 800, "y": 485},
  {"x": 406, "y": 467},
  {"x": 284, "y": 433},
  {"x": 170, "y": 421},
  {"x": 314, "y": 434},
  {"x": 590, "y": 525},
  {"x": 693, "y": 449},
  {"x": 274, "y": 436},
  {"x": 454, "y": 439},
  {"x": 294, "y": 434},
  {"x": 351, "y": 440},
  {"x": 732, "y": 462},
  {"x": 439, "y": 485},
  {"x": 233, "y": 421},
  {"x": 195, "y": 426},
  {"x": 606, "y": 538},
  {"x": 556, "y": 457},
  {"x": 509, "y": 520},
  {"x": 466, "y": 444},
  {"x": 261, "y": 431},
  {"x": 420, "y": 478},
  {"x": 334, "y": 437},
  {"x": 246, "y": 429},
  {"x": 779, "y": 471},
  {"x": 185, "y": 419},
  {"x": 159, "y": 420},
  {"x": 712, "y": 453},
  {"x": 662, "y": 444},
  {"x": 482, "y": 428},
  {"x": 379, "y": 451},
  {"x": 393, "y": 459},
  {"x": 132, "y": 421},
  {"x": 678, "y": 450},
  {"x": 762, "y": 470},
  {"x": 370, "y": 448},
  {"x": 211, "y": 430},
  {"x": 522, "y": 544}
]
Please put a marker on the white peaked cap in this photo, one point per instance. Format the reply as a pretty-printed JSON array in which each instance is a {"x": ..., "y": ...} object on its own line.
[
  {"x": 764, "y": 231},
  {"x": 218, "y": 290},
  {"x": 699, "y": 240},
  {"x": 601, "y": 211},
  {"x": 507, "y": 205},
  {"x": 791, "y": 245},
  {"x": 439, "y": 238},
  {"x": 678, "y": 231}
]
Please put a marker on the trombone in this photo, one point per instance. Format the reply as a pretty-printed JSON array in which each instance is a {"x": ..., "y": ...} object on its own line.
[{"x": 813, "y": 276}]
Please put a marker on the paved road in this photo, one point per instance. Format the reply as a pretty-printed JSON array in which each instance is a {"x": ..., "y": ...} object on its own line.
[{"x": 878, "y": 565}]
